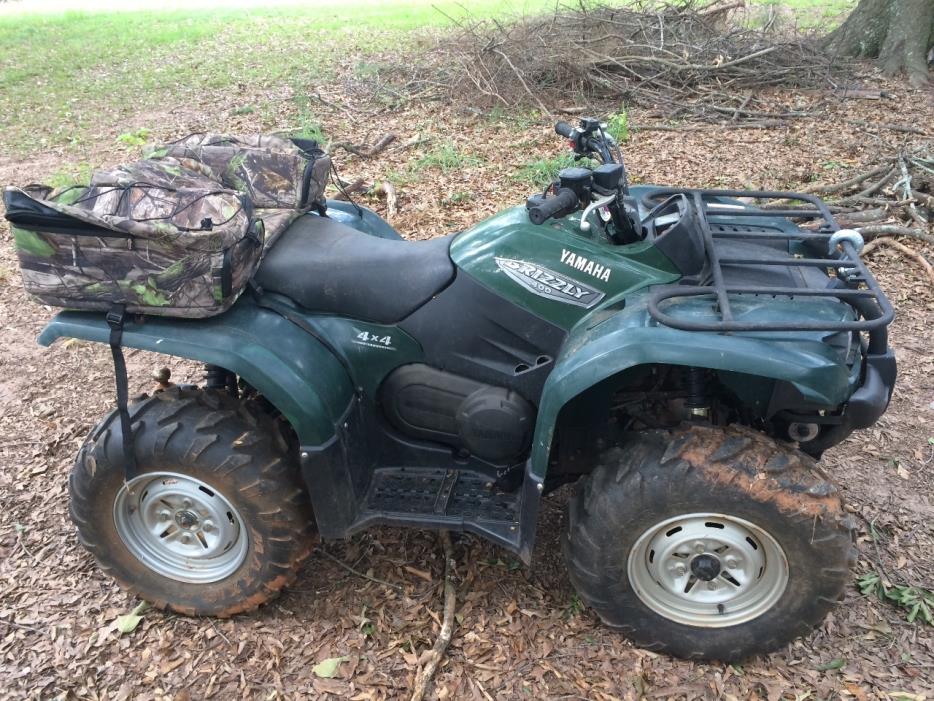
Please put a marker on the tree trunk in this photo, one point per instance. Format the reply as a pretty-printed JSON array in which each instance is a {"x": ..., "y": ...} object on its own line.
[{"x": 900, "y": 33}]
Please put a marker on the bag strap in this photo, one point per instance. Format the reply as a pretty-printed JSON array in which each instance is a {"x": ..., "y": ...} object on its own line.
[{"x": 115, "y": 319}]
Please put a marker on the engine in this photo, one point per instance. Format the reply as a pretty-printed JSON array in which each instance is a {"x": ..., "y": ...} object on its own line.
[{"x": 492, "y": 423}]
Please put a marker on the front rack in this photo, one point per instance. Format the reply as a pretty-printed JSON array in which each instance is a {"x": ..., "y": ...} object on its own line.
[{"x": 856, "y": 286}]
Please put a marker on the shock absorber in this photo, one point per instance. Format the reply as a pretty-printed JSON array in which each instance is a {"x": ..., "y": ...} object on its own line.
[
  {"x": 696, "y": 404},
  {"x": 216, "y": 377}
]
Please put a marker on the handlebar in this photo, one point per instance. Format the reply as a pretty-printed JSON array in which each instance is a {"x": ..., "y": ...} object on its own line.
[
  {"x": 565, "y": 200},
  {"x": 564, "y": 129},
  {"x": 589, "y": 139}
]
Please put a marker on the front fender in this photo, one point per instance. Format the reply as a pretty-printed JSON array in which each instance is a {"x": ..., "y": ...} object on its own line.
[
  {"x": 596, "y": 352},
  {"x": 291, "y": 369}
]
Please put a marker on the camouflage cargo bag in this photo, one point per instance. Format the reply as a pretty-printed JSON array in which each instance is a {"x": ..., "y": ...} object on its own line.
[
  {"x": 166, "y": 236},
  {"x": 282, "y": 177},
  {"x": 274, "y": 172},
  {"x": 182, "y": 250}
]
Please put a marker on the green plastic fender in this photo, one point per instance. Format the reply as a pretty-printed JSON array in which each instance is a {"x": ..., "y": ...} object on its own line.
[
  {"x": 596, "y": 352},
  {"x": 285, "y": 364}
]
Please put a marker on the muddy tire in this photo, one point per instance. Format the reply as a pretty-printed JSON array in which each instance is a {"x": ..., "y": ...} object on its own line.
[
  {"x": 708, "y": 543},
  {"x": 216, "y": 523}
]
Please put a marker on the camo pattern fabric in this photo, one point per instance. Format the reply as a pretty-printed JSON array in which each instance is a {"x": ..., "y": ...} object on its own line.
[
  {"x": 273, "y": 172},
  {"x": 182, "y": 244},
  {"x": 178, "y": 233},
  {"x": 93, "y": 273}
]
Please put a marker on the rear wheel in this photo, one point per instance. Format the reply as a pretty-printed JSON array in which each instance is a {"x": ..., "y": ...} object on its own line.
[
  {"x": 216, "y": 523},
  {"x": 708, "y": 543}
]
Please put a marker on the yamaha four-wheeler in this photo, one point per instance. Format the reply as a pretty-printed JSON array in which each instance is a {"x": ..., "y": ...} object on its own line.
[{"x": 682, "y": 356}]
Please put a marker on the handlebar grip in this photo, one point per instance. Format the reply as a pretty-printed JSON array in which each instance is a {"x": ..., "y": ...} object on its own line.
[
  {"x": 542, "y": 209},
  {"x": 564, "y": 129}
]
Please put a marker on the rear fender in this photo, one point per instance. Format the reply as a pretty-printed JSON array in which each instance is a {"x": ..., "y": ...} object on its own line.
[
  {"x": 291, "y": 369},
  {"x": 592, "y": 355}
]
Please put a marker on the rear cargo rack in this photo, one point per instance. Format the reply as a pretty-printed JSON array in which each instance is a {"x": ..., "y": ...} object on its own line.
[{"x": 855, "y": 285}]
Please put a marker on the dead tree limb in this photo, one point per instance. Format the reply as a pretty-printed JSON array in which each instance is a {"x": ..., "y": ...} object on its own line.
[
  {"x": 363, "y": 150},
  {"x": 358, "y": 185},
  {"x": 392, "y": 197},
  {"x": 892, "y": 127},
  {"x": 430, "y": 659},
  {"x": 848, "y": 183},
  {"x": 905, "y": 251},
  {"x": 871, "y": 232}
]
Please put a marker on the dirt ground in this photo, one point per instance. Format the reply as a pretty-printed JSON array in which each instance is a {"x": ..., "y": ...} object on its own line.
[{"x": 521, "y": 633}]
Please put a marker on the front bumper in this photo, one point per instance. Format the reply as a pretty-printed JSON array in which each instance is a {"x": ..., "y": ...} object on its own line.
[{"x": 872, "y": 398}]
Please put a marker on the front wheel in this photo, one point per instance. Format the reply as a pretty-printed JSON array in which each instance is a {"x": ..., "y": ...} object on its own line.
[
  {"x": 708, "y": 543},
  {"x": 216, "y": 523}
]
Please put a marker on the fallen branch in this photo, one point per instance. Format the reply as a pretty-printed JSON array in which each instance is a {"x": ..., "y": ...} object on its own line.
[
  {"x": 892, "y": 127},
  {"x": 848, "y": 219},
  {"x": 905, "y": 251},
  {"x": 14, "y": 624},
  {"x": 363, "y": 150},
  {"x": 389, "y": 190},
  {"x": 525, "y": 85},
  {"x": 358, "y": 185},
  {"x": 925, "y": 199},
  {"x": 358, "y": 573},
  {"x": 430, "y": 659},
  {"x": 871, "y": 232},
  {"x": 327, "y": 103},
  {"x": 416, "y": 140},
  {"x": 765, "y": 124},
  {"x": 846, "y": 184},
  {"x": 695, "y": 60},
  {"x": 715, "y": 9},
  {"x": 871, "y": 189}
]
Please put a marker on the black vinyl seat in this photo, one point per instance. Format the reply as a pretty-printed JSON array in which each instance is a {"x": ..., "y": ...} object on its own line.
[{"x": 326, "y": 266}]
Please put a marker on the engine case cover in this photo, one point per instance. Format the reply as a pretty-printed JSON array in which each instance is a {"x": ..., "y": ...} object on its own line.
[{"x": 492, "y": 423}]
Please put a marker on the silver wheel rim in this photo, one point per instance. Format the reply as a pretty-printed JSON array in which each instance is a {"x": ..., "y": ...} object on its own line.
[
  {"x": 708, "y": 570},
  {"x": 180, "y": 527}
]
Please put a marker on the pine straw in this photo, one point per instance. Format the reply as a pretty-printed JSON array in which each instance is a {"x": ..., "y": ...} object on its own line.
[{"x": 685, "y": 60}]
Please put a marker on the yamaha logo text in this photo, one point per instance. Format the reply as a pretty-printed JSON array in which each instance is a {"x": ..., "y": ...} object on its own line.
[{"x": 585, "y": 265}]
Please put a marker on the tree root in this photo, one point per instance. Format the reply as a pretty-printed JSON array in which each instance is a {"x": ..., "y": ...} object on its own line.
[
  {"x": 430, "y": 659},
  {"x": 905, "y": 251}
]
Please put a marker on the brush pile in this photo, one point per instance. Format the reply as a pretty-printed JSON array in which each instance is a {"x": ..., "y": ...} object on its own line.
[
  {"x": 894, "y": 197},
  {"x": 891, "y": 199},
  {"x": 684, "y": 60}
]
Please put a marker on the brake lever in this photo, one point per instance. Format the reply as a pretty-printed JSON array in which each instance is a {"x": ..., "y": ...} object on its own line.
[{"x": 596, "y": 204}]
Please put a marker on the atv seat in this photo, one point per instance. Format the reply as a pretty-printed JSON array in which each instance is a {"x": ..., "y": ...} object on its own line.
[{"x": 329, "y": 267}]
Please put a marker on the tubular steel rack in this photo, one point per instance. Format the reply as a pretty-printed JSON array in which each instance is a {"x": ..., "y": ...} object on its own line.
[{"x": 855, "y": 284}]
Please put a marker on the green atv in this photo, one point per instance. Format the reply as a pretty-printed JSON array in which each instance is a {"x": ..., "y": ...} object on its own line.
[{"x": 682, "y": 356}]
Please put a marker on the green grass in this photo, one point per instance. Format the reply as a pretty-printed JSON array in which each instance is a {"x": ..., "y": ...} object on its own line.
[
  {"x": 67, "y": 76},
  {"x": 445, "y": 157},
  {"x": 72, "y": 174},
  {"x": 308, "y": 126},
  {"x": 543, "y": 171},
  {"x": 64, "y": 74},
  {"x": 618, "y": 126}
]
